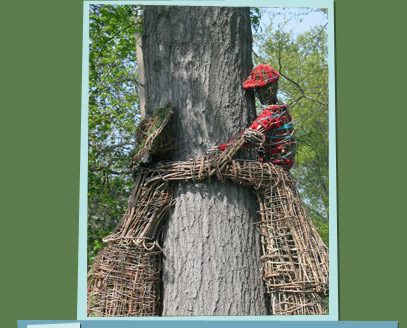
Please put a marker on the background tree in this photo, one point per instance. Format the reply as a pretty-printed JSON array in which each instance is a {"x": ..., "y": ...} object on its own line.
[
  {"x": 198, "y": 57},
  {"x": 113, "y": 116}
]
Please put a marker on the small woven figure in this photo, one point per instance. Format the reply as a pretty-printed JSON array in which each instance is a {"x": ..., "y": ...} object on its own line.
[
  {"x": 273, "y": 130},
  {"x": 295, "y": 259}
]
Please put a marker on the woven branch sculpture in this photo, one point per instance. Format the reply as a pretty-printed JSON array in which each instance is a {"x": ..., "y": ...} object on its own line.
[{"x": 124, "y": 281}]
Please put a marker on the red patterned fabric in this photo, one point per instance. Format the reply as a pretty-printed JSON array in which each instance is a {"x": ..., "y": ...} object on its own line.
[
  {"x": 273, "y": 116},
  {"x": 261, "y": 75},
  {"x": 279, "y": 147},
  {"x": 223, "y": 147}
]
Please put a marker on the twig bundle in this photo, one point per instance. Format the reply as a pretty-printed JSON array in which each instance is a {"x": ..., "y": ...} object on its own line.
[
  {"x": 147, "y": 139},
  {"x": 147, "y": 206}
]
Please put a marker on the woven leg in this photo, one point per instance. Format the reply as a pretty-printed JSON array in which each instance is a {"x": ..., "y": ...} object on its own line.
[
  {"x": 148, "y": 204},
  {"x": 295, "y": 259},
  {"x": 125, "y": 278},
  {"x": 124, "y": 281}
]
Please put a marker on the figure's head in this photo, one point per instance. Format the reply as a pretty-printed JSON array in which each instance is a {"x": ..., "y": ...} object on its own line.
[{"x": 264, "y": 81}]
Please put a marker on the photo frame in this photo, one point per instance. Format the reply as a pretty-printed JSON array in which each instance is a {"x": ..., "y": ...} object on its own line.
[{"x": 82, "y": 271}]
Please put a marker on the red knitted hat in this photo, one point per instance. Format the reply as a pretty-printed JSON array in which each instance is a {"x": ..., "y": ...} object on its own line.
[{"x": 261, "y": 75}]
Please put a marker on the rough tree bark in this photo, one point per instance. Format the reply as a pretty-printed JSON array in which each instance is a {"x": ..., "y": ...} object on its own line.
[{"x": 198, "y": 57}]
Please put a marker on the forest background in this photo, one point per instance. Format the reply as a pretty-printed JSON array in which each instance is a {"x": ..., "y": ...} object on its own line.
[
  {"x": 41, "y": 65},
  {"x": 293, "y": 40}
]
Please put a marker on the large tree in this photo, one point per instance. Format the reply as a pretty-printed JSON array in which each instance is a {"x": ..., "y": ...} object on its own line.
[{"x": 197, "y": 57}]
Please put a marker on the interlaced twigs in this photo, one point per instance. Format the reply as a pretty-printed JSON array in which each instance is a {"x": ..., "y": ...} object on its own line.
[
  {"x": 227, "y": 155},
  {"x": 295, "y": 260},
  {"x": 150, "y": 139},
  {"x": 125, "y": 281},
  {"x": 145, "y": 212}
]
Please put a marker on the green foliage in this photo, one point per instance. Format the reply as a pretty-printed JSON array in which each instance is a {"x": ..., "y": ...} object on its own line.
[
  {"x": 113, "y": 114},
  {"x": 255, "y": 17},
  {"x": 160, "y": 114},
  {"x": 158, "y": 117},
  {"x": 301, "y": 60}
]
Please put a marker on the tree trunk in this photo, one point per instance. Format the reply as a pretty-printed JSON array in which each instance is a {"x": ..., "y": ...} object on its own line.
[{"x": 198, "y": 57}]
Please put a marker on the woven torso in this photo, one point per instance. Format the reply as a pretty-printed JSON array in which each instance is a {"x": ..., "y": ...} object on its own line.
[{"x": 279, "y": 147}]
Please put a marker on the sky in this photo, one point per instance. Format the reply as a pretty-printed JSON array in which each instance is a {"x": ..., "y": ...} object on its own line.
[{"x": 299, "y": 19}]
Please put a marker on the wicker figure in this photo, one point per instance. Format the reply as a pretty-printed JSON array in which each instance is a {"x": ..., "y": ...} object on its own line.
[
  {"x": 295, "y": 259},
  {"x": 275, "y": 122},
  {"x": 124, "y": 279}
]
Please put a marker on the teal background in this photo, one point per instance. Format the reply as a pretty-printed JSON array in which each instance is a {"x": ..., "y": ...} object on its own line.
[{"x": 40, "y": 76}]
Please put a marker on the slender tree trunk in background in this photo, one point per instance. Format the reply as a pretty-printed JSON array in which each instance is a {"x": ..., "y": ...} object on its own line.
[
  {"x": 198, "y": 58},
  {"x": 140, "y": 71}
]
